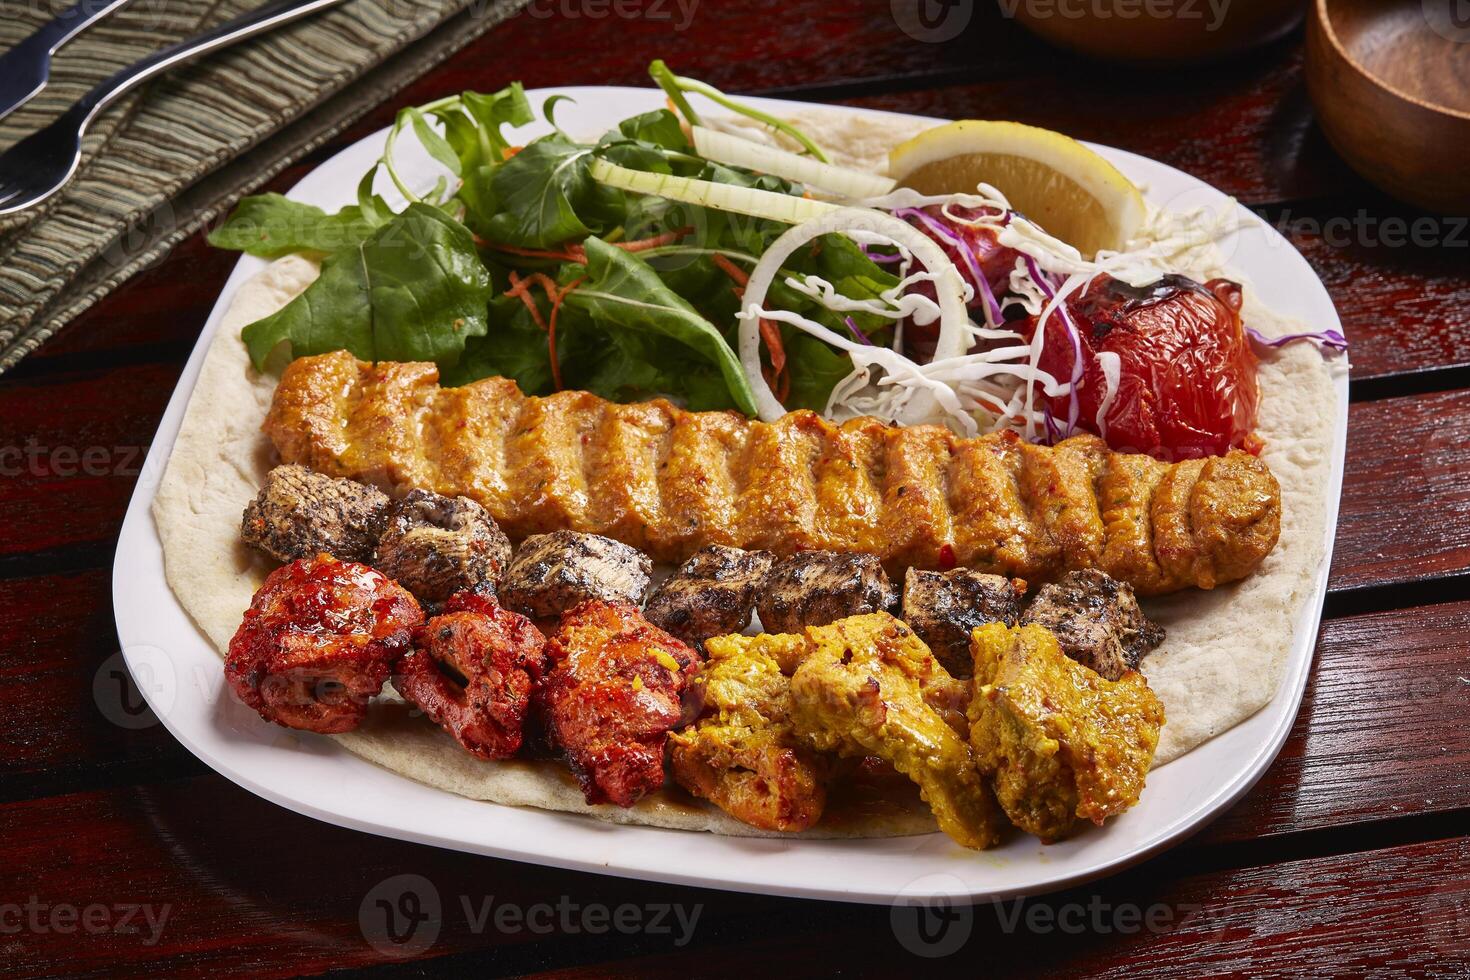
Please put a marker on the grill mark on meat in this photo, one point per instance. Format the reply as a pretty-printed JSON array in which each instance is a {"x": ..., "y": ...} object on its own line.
[
  {"x": 727, "y": 480},
  {"x": 778, "y": 504},
  {"x": 849, "y": 501},
  {"x": 622, "y": 461},
  {"x": 915, "y": 509}
]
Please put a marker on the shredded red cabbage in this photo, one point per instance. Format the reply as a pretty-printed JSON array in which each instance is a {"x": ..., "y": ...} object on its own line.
[
  {"x": 1074, "y": 409},
  {"x": 861, "y": 337},
  {"x": 1331, "y": 339}
]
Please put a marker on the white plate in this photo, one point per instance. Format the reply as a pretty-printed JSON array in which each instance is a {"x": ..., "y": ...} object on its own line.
[{"x": 180, "y": 672}]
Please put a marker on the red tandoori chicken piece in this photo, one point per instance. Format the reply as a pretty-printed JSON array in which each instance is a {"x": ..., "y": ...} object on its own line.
[
  {"x": 613, "y": 696},
  {"x": 473, "y": 670},
  {"x": 318, "y": 641}
]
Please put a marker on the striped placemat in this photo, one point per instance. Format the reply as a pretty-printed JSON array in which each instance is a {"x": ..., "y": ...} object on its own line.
[{"x": 172, "y": 157}]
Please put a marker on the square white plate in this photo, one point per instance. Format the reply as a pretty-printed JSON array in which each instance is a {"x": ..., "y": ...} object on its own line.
[{"x": 180, "y": 672}]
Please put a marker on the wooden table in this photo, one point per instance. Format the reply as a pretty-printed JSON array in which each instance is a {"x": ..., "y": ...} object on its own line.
[{"x": 1353, "y": 853}]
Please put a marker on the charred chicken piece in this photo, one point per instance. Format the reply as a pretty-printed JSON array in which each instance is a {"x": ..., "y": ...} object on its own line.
[
  {"x": 862, "y": 690},
  {"x": 612, "y": 697},
  {"x": 711, "y": 594},
  {"x": 552, "y": 573},
  {"x": 944, "y": 607},
  {"x": 1061, "y": 743},
  {"x": 814, "y": 588},
  {"x": 1097, "y": 620},
  {"x": 299, "y": 514},
  {"x": 742, "y": 753},
  {"x": 435, "y": 546},
  {"x": 472, "y": 671},
  {"x": 317, "y": 642}
]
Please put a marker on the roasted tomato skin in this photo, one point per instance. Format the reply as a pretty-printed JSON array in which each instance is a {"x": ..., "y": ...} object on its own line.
[
  {"x": 318, "y": 641},
  {"x": 1187, "y": 384}
]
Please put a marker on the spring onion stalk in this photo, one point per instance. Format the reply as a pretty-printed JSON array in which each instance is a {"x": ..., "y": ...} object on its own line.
[
  {"x": 739, "y": 152},
  {"x": 757, "y": 203},
  {"x": 676, "y": 85}
]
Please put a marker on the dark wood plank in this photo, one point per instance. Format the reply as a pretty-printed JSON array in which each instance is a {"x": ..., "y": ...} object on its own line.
[
  {"x": 1406, "y": 497},
  {"x": 1244, "y": 127},
  {"x": 74, "y": 715},
  {"x": 249, "y": 888},
  {"x": 73, "y": 445},
  {"x": 1380, "y": 734}
]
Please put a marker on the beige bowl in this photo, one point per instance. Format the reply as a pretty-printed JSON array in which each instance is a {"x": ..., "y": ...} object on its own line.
[
  {"x": 1390, "y": 80},
  {"x": 1158, "y": 31}
]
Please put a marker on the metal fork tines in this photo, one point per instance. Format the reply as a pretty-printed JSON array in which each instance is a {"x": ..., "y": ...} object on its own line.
[{"x": 41, "y": 164}]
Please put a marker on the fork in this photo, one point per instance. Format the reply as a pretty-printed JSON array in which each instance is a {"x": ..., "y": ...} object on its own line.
[
  {"x": 25, "y": 68},
  {"x": 42, "y": 163}
]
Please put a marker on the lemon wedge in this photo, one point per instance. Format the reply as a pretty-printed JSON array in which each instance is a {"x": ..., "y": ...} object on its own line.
[{"x": 1061, "y": 185}]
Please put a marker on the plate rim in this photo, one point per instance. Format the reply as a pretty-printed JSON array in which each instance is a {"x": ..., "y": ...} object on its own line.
[{"x": 138, "y": 534}]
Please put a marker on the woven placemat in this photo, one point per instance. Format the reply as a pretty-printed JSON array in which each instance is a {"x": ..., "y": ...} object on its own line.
[{"x": 168, "y": 160}]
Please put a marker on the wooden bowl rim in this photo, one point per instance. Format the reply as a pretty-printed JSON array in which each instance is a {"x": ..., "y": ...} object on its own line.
[{"x": 1319, "y": 8}]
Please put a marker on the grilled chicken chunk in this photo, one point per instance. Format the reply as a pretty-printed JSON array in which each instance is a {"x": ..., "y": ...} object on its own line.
[
  {"x": 552, "y": 573},
  {"x": 944, "y": 607},
  {"x": 612, "y": 697},
  {"x": 864, "y": 688},
  {"x": 814, "y": 588},
  {"x": 1097, "y": 621},
  {"x": 1060, "y": 743},
  {"x": 318, "y": 641},
  {"x": 670, "y": 481},
  {"x": 436, "y": 546},
  {"x": 711, "y": 594},
  {"x": 300, "y": 514},
  {"x": 472, "y": 671},
  {"x": 742, "y": 753}
]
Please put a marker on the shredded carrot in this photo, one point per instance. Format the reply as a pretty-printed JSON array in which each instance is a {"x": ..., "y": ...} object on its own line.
[
  {"x": 511, "y": 151},
  {"x": 770, "y": 333},
  {"x": 518, "y": 287},
  {"x": 730, "y": 269},
  {"x": 534, "y": 253},
  {"x": 556, "y": 300}
]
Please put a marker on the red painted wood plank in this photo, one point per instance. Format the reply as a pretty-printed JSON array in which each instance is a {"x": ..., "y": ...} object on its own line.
[{"x": 234, "y": 885}]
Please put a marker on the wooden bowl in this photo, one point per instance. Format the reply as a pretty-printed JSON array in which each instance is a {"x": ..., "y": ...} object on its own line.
[
  {"x": 1392, "y": 93},
  {"x": 1183, "y": 31}
]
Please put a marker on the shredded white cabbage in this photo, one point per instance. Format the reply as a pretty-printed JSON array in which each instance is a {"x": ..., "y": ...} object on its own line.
[{"x": 996, "y": 385}]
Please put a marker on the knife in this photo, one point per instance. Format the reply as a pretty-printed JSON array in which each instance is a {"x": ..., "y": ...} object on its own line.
[{"x": 25, "y": 68}]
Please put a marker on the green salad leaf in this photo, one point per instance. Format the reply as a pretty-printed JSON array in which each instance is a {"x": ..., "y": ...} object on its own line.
[
  {"x": 269, "y": 225},
  {"x": 622, "y": 291},
  {"x": 413, "y": 290}
]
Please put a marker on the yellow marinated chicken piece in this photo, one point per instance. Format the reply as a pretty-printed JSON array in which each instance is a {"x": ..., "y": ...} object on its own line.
[
  {"x": 742, "y": 755},
  {"x": 1063, "y": 743},
  {"x": 860, "y": 691}
]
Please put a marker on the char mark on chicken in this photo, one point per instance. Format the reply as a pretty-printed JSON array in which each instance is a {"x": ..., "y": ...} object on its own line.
[
  {"x": 1097, "y": 621},
  {"x": 552, "y": 573},
  {"x": 318, "y": 641},
  {"x": 814, "y": 588},
  {"x": 943, "y": 608},
  {"x": 612, "y": 697},
  {"x": 711, "y": 594},
  {"x": 435, "y": 546},
  {"x": 473, "y": 670},
  {"x": 300, "y": 514}
]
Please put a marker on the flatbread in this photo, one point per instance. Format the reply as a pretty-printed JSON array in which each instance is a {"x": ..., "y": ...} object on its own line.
[{"x": 1222, "y": 661}]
